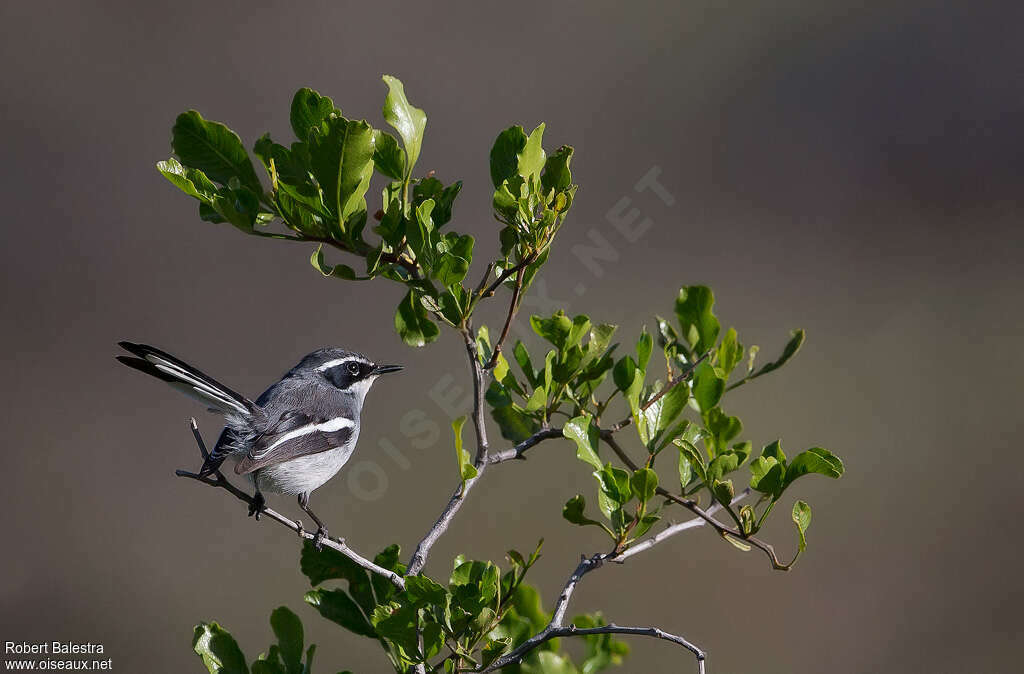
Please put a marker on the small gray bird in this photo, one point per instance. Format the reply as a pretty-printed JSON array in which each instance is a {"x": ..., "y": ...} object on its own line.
[{"x": 299, "y": 432}]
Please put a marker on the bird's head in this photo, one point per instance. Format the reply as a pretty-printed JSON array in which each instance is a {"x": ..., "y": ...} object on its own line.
[{"x": 346, "y": 370}]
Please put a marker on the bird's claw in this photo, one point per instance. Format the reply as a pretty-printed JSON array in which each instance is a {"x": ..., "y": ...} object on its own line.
[
  {"x": 318, "y": 539},
  {"x": 257, "y": 505}
]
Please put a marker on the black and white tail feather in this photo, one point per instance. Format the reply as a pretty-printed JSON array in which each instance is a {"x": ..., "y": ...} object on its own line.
[{"x": 236, "y": 408}]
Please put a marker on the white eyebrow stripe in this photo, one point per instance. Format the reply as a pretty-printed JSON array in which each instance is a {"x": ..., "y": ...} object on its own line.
[
  {"x": 341, "y": 361},
  {"x": 328, "y": 426}
]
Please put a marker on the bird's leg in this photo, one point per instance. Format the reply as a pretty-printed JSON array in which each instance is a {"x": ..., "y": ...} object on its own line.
[
  {"x": 321, "y": 530},
  {"x": 257, "y": 505}
]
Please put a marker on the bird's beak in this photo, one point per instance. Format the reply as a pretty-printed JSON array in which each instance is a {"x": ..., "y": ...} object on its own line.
[{"x": 384, "y": 369}]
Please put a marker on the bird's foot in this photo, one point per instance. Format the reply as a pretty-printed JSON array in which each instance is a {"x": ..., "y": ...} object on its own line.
[
  {"x": 318, "y": 539},
  {"x": 301, "y": 531},
  {"x": 257, "y": 506}
]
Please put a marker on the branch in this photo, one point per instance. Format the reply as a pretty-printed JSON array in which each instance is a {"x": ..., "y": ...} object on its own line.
[
  {"x": 520, "y": 449},
  {"x": 419, "y": 557},
  {"x": 705, "y": 515},
  {"x": 683, "y": 376},
  {"x": 220, "y": 481},
  {"x": 572, "y": 631}
]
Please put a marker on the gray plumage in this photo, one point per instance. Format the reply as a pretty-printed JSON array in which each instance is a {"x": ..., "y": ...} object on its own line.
[{"x": 297, "y": 435}]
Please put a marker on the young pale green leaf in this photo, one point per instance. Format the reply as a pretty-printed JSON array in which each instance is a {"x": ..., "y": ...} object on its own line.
[
  {"x": 767, "y": 475},
  {"x": 466, "y": 468},
  {"x": 644, "y": 346},
  {"x": 288, "y": 629},
  {"x": 802, "y": 519},
  {"x": 696, "y": 318},
  {"x": 338, "y": 607},
  {"x": 730, "y": 352},
  {"x": 723, "y": 464},
  {"x": 412, "y": 324},
  {"x": 663, "y": 411},
  {"x": 774, "y": 450},
  {"x": 584, "y": 433},
  {"x": 531, "y": 157},
  {"x": 723, "y": 491},
  {"x": 691, "y": 462},
  {"x": 192, "y": 182},
  {"x": 505, "y": 154},
  {"x": 407, "y": 120},
  {"x": 814, "y": 460},
  {"x": 708, "y": 387},
  {"x": 309, "y": 110},
  {"x": 745, "y": 547},
  {"x": 747, "y": 519},
  {"x": 614, "y": 486},
  {"x": 644, "y": 483},
  {"x": 214, "y": 149},
  {"x": 555, "y": 329},
  {"x": 218, "y": 650}
]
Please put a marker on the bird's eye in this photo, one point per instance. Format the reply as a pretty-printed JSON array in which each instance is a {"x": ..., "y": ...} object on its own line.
[{"x": 353, "y": 368}]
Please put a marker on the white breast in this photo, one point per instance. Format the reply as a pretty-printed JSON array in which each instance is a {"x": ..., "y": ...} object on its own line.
[{"x": 305, "y": 473}]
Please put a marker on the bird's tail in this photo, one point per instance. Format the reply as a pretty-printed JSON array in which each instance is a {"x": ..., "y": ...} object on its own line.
[{"x": 187, "y": 379}]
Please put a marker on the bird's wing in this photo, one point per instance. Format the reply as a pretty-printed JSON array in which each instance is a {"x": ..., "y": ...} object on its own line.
[{"x": 294, "y": 435}]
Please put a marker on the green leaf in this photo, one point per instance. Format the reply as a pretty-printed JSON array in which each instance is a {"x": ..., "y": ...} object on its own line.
[
  {"x": 388, "y": 559},
  {"x": 691, "y": 463},
  {"x": 796, "y": 340},
  {"x": 644, "y": 346},
  {"x": 407, "y": 120},
  {"x": 774, "y": 450},
  {"x": 694, "y": 311},
  {"x": 814, "y": 460},
  {"x": 660, "y": 414},
  {"x": 310, "y": 110},
  {"x": 505, "y": 154},
  {"x": 422, "y": 590},
  {"x": 584, "y": 433},
  {"x": 722, "y": 427},
  {"x": 213, "y": 149},
  {"x": 723, "y": 464},
  {"x": 388, "y": 157},
  {"x": 730, "y": 352},
  {"x": 557, "y": 176},
  {"x": 802, "y": 519},
  {"x": 532, "y": 157},
  {"x": 288, "y": 630},
  {"x": 615, "y": 490},
  {"x": 338, "y": 271},
  {"x": 573, "y": 511},
  {"x": 338, "y": 607},
  {"x": 456, "y": 253},
  {"x": 341, "y": 156},
  {"x": 218, "y": 650},
  {"x": 515, "y": 425},
  {"x": 412, "y": 324},
  {"x": 723, "y": 491},
  {"x": 443, "y": 198},
  {"x": 644, "y": 483},
  {"x": 708, "y": 387},
  {"x": 192, "y": 182},
  {"x": 555, "y": 329},
  {"x": 767, "y": 475},
  {"x": 466, "y": 468},
  {"x": 329, "y": 564}
]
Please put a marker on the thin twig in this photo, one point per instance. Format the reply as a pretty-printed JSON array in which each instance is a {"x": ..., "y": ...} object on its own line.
[
  {"x": 481, "y": 461},
  {"x": 681, "y": 377},
  {"x": 513, "y": 307},
  {"x": 520, "y": 449},
  {"x": 222, "y": 482}
]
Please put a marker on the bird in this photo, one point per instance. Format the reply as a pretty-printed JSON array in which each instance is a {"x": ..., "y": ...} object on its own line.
[{"x": 295, "y": 436}]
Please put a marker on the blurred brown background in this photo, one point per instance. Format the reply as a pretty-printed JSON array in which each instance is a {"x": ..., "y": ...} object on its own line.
[{"x": 852, "y": 170}]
